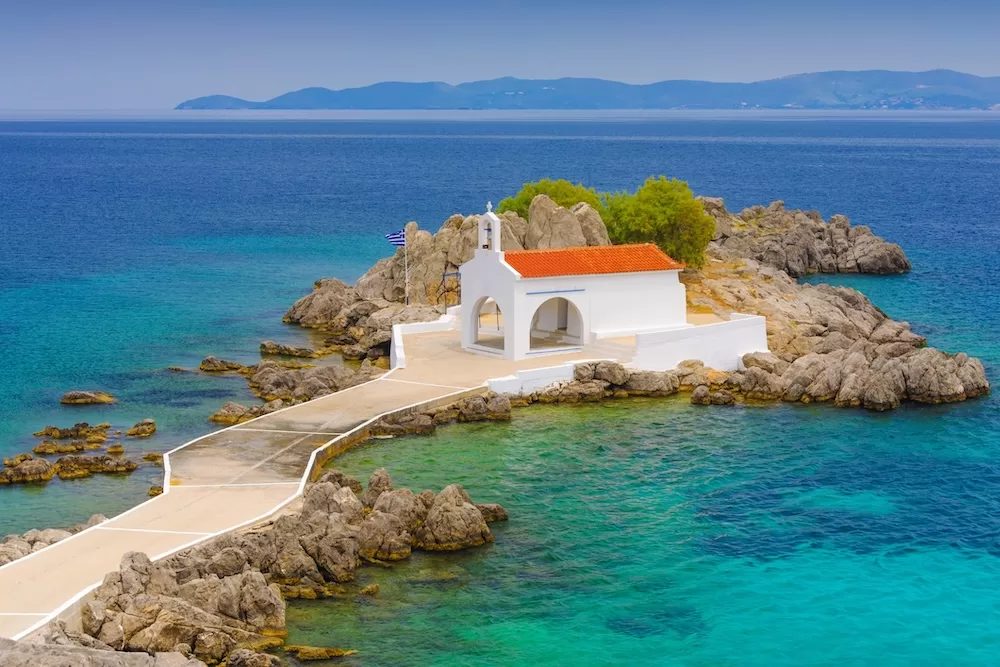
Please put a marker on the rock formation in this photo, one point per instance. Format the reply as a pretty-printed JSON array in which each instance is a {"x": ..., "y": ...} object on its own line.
[
  {"x": 87, "y": 398},
  {"x": 25, "y": 469},
  {"x": 13, "y": 547},
  {"x": 270, "y": 347},
  {"x": 212, "y": 365},
  {"x": 33, "y": 654},
  {"x": 800, "y": 242},
  {"x": 143, "y": 429},
  {"x": 361, "y": 317}
]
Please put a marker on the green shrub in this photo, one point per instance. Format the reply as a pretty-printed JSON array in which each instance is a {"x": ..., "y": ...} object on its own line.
[
  {"x": 663, "y": 211},
  {"x": 561, "y": 192}
]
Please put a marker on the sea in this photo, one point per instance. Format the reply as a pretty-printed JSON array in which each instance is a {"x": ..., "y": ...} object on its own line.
[{"x": 642, "y": 531}]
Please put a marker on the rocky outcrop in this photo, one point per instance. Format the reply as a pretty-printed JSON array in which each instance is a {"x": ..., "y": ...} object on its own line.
[
  {"x": 87, "y": 398},
  {"x": 311, "y": 553},
  {"x": 146, "y": 607},
  {"x": 827, "y": 344},
  {"x": 212, "y": 365},
  {"x": 272, "y": 382},
  {"x": 143, "y": 429},
  {"x": 27, "y": 471},
  {"x": 16, "y": 546},
  {"x": 270, "y": 347},
  {"x": 453, "y": 523},
  {"x": 800, "y": 242},
  {"x": 488, "y": 407},
  {"x": 361, "y": 317},
  {"x": 76, "y": 467},
  {"x": 80, "y": 431},
  {"x": 33, "y": 654}
]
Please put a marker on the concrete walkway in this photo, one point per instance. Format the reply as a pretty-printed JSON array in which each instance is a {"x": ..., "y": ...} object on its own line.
[{"x": 243, "y": 474}]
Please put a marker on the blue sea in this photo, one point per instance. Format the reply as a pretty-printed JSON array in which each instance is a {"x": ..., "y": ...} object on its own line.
[{"x": 646, "y": 531}]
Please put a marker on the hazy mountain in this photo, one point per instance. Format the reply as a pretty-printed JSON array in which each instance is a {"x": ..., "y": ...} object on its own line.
[{"x": 874, "y": 89}]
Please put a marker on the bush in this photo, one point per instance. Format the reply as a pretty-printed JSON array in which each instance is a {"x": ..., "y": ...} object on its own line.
[
  {"x": 663, "y": 212},
  {"x": 561, "y": 192}
]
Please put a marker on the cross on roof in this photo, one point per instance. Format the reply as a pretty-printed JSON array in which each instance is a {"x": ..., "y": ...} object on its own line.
[{"x": 489, "y": 207}]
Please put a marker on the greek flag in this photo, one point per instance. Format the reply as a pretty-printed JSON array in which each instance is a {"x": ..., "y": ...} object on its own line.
[{"x": 397, "y": 239}]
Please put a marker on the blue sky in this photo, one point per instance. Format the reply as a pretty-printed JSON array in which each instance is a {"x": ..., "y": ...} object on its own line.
[{"x": 115, "y": 54}]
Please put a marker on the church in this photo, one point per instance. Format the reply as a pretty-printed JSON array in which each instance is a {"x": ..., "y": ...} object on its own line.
[{"x": 535, "y": 302}]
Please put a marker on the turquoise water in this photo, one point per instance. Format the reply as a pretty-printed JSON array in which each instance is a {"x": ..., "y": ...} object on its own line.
[
  {"x": 641, "y": 531},
  {"x": 656, "y": 532}
]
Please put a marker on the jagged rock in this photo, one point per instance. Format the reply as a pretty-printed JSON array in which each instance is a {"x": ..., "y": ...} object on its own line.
[
  {"x": 453, "y": 523},
  {"x": 327, "y": 300},
  {"x": 143, "y": 429},
  {"x": 243, "y": 657},
  {"x": 611, "y": 372},
  {"x": 338, "y": 478},
  {"x": 404, "y": 505},
  {"x": 700, "y": 396},
  {"x": 82, "y": 431},
  {"x": 377, "y": 484},
  {"x": 552, "y": 226},
  {"x": 212, "y": 365},
  {"x": 230, "y": 413},
  {"x": 800, "y": 242},
  {"x": 334, "y": 546},
  {"x": 115, "y": 449},
  {"x": 28, "y": 471},
  {"x": 75, "y": 467},
  {"x": 50, "y": 447},
  {"x": 651, "y": 383},
  {"x": 25, "y": 654},
  {"x": 493, "y": 512},
  {"x": 330, "y": 498},
  {"x": 271, "y": 347},
  {"x": 591, "y": 224},
  {"x": 761, "y": 385},
  {"x": 87, "y": 398},
  {"x": 384, "y": 537}
]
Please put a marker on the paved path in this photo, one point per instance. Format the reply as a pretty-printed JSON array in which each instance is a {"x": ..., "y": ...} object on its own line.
[{"x": 242, "y": 474}]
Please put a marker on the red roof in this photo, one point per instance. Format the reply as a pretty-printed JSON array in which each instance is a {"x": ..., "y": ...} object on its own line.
[{"x": 590, "y": 260}]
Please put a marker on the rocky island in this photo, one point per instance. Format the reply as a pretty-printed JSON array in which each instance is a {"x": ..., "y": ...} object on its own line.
[{"x": 827, "y": 343}]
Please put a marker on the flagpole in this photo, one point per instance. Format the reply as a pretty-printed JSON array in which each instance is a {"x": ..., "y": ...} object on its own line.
[{"x": 406, "y": 269}]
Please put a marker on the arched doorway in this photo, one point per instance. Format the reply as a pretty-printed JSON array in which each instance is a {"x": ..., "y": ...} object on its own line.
[
  {"x": 489, "y": 329},
  {"x": 557, "y": 323}
]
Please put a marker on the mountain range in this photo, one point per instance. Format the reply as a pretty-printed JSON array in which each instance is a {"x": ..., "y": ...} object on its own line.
[{"x": 872, "y": 89}]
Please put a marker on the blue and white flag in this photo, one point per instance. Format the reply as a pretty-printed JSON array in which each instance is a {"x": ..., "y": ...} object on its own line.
[{"x": 397, "y": 239}]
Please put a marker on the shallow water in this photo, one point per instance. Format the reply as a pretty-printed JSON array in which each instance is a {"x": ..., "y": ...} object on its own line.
[
  {"x": 656, "y": 532},
  {"x": 642, "y": 531}
]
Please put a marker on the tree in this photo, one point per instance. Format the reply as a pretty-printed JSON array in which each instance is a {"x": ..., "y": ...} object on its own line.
[
  {"x": 663, "y": 212},
  {"x": 561, "y": 192}
]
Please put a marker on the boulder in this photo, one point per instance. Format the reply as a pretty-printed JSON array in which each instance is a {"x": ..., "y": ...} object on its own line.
[
  {"x": 212, "y": 365},
  {"x": 230, "y": 413},
  {"x": 492, "y": 512},
  {"x": 377, "y": 484},
  {"x": 143, "y": 429},
  {"x": 453, "y": 523},
  {"x": 552, "y": 226},
  {"x": 28, "y": 471},
  {"x": 700, "y": 396},
  {"x": 384, "y": 537}
]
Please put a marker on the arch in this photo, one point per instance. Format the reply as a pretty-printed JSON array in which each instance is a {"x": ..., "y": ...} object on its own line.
[
  {"x": 487, "y": 324},
  {"x": 556, "y": 323}
]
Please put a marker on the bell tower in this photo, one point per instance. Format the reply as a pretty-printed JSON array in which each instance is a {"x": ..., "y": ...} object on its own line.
[{"x": 490, "y": 230}]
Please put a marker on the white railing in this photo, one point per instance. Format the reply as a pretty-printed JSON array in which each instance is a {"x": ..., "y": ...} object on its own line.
[{"x": 720, "y": 345}]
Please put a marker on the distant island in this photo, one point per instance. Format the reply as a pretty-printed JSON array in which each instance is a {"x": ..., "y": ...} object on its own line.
[{"x": 873, "y": 89}]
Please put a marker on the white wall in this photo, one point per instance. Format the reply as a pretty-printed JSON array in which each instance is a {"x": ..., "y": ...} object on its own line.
[
  {"x": 720, "y": 345},
  {"x": 397, "y": 352},
  {"x": 528, "y": 381}
]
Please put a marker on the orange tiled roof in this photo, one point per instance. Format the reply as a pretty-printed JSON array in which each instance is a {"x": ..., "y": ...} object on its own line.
[{"x": 590, "y": 260}]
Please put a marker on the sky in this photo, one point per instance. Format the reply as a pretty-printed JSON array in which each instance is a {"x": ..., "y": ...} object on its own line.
[{"x": 142, "y": 54}]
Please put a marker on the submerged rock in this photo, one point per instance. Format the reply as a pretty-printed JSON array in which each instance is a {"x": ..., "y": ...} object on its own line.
[
  {"x": 87, "y": 398},
  {"x": 270, "y": 347},
  {"x": 143, "y": 429}
]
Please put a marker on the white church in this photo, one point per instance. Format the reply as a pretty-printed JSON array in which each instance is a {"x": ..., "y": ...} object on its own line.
[{"x": 533, "y": 302}]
